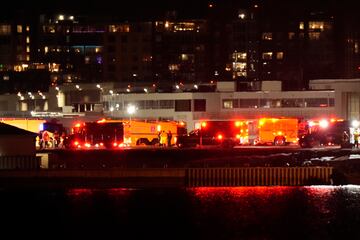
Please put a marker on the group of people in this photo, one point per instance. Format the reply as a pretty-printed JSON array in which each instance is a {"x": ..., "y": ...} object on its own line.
[
  {"x": 165, "y": 138},
  {"x": 46, "y": 139}
]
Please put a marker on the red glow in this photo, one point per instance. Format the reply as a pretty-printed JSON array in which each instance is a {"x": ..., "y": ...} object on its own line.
[
  {"x": 203, "y": 124},
  {"x": 220, "y": 137}
]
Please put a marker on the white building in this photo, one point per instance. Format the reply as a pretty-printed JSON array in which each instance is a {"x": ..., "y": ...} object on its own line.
[
  {"x": 224, "y": 103},
  {"x": 326, "y": 98}
]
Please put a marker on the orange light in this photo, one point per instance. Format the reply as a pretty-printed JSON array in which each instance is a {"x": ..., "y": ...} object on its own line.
[
  {"x": 279, "y": 133},
  {"x": 76, "y": 143},
  {"x": 203, "y": 124},
  {"x": 238, "y": 136},
  {"x": 102, "y": 120},
  {"x": 158, "y": 127},
  {"x": 238, "y": 123},
  {"x": 77, "y": 125}
]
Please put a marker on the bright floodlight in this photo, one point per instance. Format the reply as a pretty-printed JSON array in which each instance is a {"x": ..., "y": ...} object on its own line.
[
  {"x": 324, "y": 123},
  {"x": 355, "y": 123},
  {"x": 131, "y": 109}
]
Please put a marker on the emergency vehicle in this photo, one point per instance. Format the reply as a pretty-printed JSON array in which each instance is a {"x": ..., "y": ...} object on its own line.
[
  {"x": 225, "y": 133},
  {"x": 120, "y": 133},
  {"x": 326, "y": 132},
  {"x": 229, "y": 133},
  {"x": 273, "y": 131}
]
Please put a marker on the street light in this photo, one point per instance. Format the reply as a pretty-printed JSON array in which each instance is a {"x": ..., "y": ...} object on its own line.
[{"x": 131, "y": 109}]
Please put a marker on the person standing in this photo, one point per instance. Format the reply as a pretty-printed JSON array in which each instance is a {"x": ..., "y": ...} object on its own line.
[
  {"x": 169, "y": 136},
  {"x": 163, "y": 139},
  {"x": 356, "y": 139}
]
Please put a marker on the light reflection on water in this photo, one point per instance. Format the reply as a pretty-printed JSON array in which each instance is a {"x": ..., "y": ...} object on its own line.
[{"x": 316, "y": 212}]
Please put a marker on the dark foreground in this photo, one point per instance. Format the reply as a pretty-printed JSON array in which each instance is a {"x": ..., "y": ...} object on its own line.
[{"x": 182, "y": 213}]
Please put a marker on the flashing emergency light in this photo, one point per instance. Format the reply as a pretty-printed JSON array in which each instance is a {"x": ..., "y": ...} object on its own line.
[
  {"x": 355, "y": 123},
  {"x": 323, "y": 123},
  {"x": 311, "y": 124}
]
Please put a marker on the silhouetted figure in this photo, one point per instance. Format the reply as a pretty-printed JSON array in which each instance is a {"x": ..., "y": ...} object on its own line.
[{"x": 169, "y": 136}]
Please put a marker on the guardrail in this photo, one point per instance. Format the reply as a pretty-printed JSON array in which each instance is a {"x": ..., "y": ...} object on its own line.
[{"x": 258, "y": 176}]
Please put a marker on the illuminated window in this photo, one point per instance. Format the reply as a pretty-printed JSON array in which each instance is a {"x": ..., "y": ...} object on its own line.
[
  {"x": 27, "y": 28},
  {"x": 291, "y": 35},
  {"x": 5, "y": 29},
  {"x": 356, "y": 47},
  {"x": 19, "y": 28},
  {"x": 174, "y": 67},
  {"x": 237, "y": 56},
  {"x": 27, "y": 57},
  {"x": 301, "y": 25},
  {"x": 316, "y": 25},
  {"x": 267, "y": 55},
  {"x": 27, "y": 39},
  {"x": 279, "y": 55},
  {"x": 267, "y": 36},
  {"x": 27, "y": 49},
  {"x": 314, "y": 35},
  {"x": 228, "y": 104},
  {"x": 46, "y": 49}
]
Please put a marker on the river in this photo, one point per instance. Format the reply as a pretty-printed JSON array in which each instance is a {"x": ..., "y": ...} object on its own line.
[{"x": 315, "y": 212}]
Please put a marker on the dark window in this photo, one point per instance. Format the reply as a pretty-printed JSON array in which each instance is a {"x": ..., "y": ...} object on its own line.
[
  {"x": 111, "y": 48},
  {"x": 111, "y": 68},
  {"x": 111, "y": 38},
  {"x": 124, "y": 39},
  {"x": 182, "y": 105},
  {"x": 199, "y": 105}
]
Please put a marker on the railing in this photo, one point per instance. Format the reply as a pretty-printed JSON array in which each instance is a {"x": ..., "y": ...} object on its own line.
[{"x": 258, "y": 176}]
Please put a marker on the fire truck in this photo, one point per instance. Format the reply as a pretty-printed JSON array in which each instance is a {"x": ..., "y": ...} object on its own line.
[
  {"x": 229, "y": 133},
  {"x": 272, "y": 131},
  {"x": 326, "y": 132},
  {"x": 107, "y": 133},
  {"x": 225, "y": 133}
]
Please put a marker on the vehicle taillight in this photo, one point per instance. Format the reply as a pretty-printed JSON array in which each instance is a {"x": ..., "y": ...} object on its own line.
[
  {"x": 88, "y": 145},
  {"x": 115, "y": 144},
  {"x": 219, "y": 137},
  {"x": 76, "y": 143}
]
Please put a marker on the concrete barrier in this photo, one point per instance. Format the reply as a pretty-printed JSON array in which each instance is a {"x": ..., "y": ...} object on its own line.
[{"x": 258, "y": 176}]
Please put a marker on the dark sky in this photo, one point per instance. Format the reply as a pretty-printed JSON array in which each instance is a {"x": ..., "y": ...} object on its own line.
[
  {"x": 130, "y": 9},
  {"x": 149, "y": 9}
]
